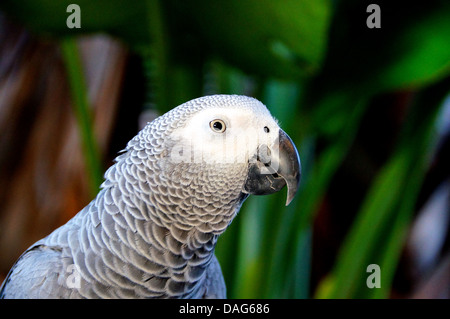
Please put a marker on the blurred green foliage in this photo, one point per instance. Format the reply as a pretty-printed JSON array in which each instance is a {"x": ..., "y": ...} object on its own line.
[{"x": 317, "y": 67}]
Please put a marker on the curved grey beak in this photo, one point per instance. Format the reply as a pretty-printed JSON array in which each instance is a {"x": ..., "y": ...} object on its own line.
[{"x": 273, "y": 167}]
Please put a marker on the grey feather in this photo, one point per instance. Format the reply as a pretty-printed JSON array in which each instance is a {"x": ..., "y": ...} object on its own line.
[{"x": 151, "y": 230}]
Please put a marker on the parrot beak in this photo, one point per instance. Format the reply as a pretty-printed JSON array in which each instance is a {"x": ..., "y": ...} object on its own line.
[{"x": 275, "y": 167}]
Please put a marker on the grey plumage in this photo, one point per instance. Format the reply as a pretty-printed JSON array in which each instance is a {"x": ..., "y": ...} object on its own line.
[{"x": 152, "y": 229}]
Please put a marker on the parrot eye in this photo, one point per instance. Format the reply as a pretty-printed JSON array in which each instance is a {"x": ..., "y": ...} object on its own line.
[
  {"x": 217, "y": 126},
  {"x": 266, "y": 129}
]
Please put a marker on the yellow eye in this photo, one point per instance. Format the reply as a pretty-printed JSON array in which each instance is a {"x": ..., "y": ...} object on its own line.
[{"x": 217, "y": 126}]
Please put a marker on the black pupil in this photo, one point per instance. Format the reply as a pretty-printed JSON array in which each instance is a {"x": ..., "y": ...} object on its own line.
[
  {"x": 266, "y": 129},
  {"x": 217, "y": 126}
]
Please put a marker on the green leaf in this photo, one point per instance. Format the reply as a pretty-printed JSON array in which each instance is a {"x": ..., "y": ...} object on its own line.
[
  {"x": 272, "y": 38},
  {"x": 379, "y": 229},
  {"x": 117, "y": 17},
  {"x": 410, "y": 50},
  {"x": 285, "y": 39},
  {"x": 350, "y": 272}
]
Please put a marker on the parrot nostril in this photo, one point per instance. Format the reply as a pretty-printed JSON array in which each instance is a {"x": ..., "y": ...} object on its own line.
[{"x": 263, "y": 154}]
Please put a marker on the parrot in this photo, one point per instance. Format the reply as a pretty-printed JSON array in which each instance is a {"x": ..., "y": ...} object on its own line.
[{"x": 152, "y": 229}]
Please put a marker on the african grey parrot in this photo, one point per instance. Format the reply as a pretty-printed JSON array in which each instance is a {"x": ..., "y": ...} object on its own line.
[{"x": 152, "y": 229}]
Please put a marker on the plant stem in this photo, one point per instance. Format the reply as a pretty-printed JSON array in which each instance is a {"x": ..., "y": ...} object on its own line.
[{"x": 80, "y": 104}]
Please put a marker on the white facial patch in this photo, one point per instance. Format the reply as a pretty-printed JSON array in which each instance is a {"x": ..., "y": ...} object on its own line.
[{"x": 245, "y": 130}]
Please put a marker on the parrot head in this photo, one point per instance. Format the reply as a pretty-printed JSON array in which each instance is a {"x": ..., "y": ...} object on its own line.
[{"x": 222, "y": 131}]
